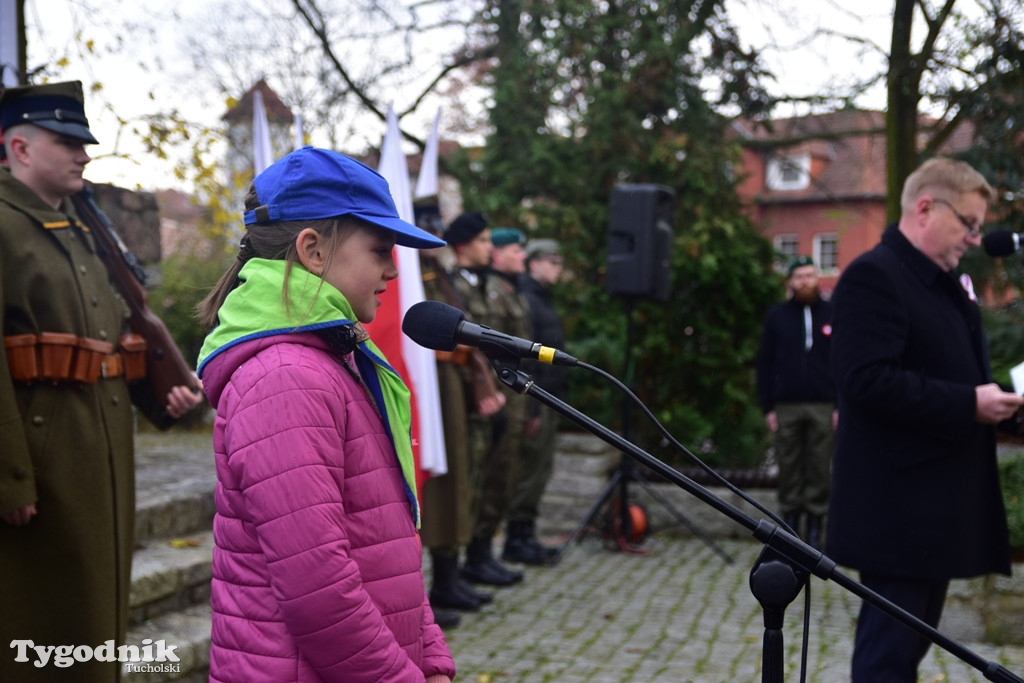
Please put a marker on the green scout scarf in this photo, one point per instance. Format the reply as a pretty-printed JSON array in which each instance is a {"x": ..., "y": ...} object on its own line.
[{"x": 256, "y": 308}]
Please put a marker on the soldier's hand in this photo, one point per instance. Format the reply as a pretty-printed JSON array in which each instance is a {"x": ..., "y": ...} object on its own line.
[
  {"x": 182, "y": 399},
  {"x": 491, "y": 405},
  {"x": 20, "y": 516}
]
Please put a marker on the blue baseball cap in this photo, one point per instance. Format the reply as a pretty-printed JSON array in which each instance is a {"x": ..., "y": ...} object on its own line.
[{"x": 313, "y": 183}]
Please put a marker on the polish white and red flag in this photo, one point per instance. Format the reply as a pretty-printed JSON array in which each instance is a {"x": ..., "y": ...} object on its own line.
[{"x": 413, "y": 362}]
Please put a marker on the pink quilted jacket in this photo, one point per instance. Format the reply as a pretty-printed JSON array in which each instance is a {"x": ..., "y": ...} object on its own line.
[{"x": 317, "y": 568}]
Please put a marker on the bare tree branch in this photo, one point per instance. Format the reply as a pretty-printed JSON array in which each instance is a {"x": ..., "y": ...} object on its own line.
[
  {"x": 467, "y": 58},
  {"x": 319, "y": 29},
  {"x": 316, "y": 21},
  {"x": 935, "y": 25}
]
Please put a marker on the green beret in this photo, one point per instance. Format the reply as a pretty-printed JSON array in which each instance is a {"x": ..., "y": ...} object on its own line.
[
  {"x": 502, "y": 237},
  {"x": 798, "y": 262}
]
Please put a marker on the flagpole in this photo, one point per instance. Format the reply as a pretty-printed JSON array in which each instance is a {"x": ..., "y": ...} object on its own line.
[{"x": 300, "y": 140}]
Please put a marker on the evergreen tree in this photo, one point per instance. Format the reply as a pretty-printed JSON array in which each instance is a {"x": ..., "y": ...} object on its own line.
[{"x": 587, "y": 95}]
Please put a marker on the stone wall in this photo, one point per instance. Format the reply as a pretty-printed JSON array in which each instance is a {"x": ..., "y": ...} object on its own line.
[
  {"x": 136, "y": 218},
  {"x": 989, "y": 608}
]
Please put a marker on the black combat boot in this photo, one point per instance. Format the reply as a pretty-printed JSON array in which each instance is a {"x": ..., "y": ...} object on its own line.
[
  {"x": 445, "y": 589},
  {"x": 481, "y": 567},
  {"x": 466, "y": 588},
  {"x": 445, "y": 618},
  {"x": 522, "y": 545}
]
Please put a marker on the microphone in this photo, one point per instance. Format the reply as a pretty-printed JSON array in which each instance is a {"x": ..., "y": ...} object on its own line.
[
  {"x": 1000, "y": 243},
  {"x": 441, "y": 327}
]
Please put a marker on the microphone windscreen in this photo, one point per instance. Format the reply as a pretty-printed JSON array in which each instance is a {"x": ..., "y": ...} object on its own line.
[
  {"x": 999, "y": 243},
  {"x": 433, "y": 324}
]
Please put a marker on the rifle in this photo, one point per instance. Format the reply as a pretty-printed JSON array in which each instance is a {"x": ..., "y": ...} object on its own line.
[{"x": 166, "y": 368}]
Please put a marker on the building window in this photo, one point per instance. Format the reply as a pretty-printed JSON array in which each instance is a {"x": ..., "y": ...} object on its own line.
[
  {"x": 826, "y": 253},
  {"x": 787, "y": 248},
  {"x": 788, "y": 172}
]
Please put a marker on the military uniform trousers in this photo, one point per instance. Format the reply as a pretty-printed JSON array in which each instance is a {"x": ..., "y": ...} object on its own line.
[
  {"x": 803, "y": 448},
  {"x": 499, "y": 470},
  {"x": 536, "y": 462}
]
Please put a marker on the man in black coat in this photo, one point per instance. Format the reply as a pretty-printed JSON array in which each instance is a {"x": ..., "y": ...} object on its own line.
[{"x": 915, "y": 490}]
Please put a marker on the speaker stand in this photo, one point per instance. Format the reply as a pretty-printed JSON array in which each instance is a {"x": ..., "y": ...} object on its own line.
[{"x": 622, "y": 476}]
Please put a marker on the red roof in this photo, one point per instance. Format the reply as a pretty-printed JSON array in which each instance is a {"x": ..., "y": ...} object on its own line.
[
  {"x": 847, "y": 150},
  {"x": 277, "y": 111}
]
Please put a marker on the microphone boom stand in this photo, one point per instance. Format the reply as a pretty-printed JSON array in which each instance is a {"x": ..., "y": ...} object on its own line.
[{"x": 783, "y": 566}]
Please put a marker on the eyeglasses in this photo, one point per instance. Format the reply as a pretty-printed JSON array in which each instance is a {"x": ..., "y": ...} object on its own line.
[{"x": 972, "y": 229}]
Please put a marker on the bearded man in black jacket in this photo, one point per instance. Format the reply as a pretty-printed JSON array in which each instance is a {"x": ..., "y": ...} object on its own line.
[{"x": 797, "y": 395}]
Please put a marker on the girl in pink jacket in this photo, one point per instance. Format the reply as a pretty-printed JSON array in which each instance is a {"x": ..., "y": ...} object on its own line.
[{"x": 317, "y": 565}]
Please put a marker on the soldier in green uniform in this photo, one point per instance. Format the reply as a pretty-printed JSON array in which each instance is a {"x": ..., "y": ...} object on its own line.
[
  {"x": 67, "y": 480},
  {"x": 537, "y": 451},
  {"x": 469, "y": 398},
  {"x": 507, "y": 312},
  {"x": 470, "y": 238}
]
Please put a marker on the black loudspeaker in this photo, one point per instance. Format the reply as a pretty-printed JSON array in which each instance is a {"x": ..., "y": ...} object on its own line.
[{"x": 640, "y": 241}]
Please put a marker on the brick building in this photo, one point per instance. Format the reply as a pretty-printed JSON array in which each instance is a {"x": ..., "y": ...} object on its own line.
[{"x": 816, "y": 184}]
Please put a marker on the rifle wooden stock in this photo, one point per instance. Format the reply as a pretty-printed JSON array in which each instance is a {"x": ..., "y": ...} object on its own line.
[{"x": 166, "y": 368}]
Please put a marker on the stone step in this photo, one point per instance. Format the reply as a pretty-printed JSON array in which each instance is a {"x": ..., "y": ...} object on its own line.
[
  {"x": 170, "y": 601},
  {"x": 174, "y": 489},
  {"x": 188, "y": 632},
  {"x": 583, "y": 467},
  {"x": 576, "y": 482},
  {"x": 170, "y": 574}
]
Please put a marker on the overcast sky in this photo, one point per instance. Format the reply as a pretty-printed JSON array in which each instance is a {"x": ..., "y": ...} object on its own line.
[{"x": 802, "y": 66}]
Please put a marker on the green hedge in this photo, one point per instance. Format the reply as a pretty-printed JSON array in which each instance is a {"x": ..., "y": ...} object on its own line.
[
  {"x": 1011, "y": 475},
  {"x": 1004, "y": 328}
]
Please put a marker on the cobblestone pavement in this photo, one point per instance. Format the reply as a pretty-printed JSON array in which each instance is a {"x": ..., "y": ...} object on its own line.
[{"x": 677, "y": 613}]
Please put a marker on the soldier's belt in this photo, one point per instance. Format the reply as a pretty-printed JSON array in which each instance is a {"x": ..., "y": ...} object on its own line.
[
  {"x": 460, "y": 356},
  {"x": 58, "y": 357}
]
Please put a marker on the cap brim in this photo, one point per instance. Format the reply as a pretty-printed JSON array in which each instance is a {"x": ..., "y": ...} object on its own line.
[
  {"x": 406, "y": 234},
  {"x": 70, "y": 129}
]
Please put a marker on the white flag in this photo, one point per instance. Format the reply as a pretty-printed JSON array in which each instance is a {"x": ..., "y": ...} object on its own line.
[
  {"x": 419, "y": 361},
  {"x": 9, "y": 44},
  {"x": 426, "y": 184},
  {"x": 394, "y": 168},
  {"x": 262, "y": 153}
]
